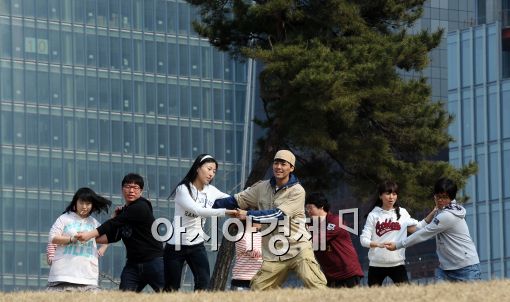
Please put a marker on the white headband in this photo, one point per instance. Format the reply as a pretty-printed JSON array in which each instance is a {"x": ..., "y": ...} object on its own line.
[{"x": 206, "y": 157}]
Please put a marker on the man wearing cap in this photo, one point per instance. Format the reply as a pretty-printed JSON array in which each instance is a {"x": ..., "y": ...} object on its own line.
[{"x": 279, "y": 199}]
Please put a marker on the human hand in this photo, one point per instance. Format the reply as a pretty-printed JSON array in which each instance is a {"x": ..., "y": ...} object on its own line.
[
  {"x": 102, "y": 250},
  {"x": 241, "y": 214},
  {"x": 83, "y": 236},
  {"x": 117, "y": 211},
  {"x": 390, "y": 246},
  {"x": 231, "y": 213}
]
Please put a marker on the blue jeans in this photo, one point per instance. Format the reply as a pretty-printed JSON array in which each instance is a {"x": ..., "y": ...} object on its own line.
[
  {"x": 196, "y": 258},
  {"x": 135, "y": 276},
  {"x": 468, "y": 273}
]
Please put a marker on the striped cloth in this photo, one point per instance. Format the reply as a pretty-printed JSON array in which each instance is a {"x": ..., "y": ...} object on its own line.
[
  {"x": 50, "y": 252},
  {"x": 247, "y": 262}
]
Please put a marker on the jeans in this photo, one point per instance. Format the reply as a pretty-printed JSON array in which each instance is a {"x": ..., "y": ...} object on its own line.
[
  {"x": 135, "y": 276},
  {"x": 196, "y": 258},
  {"x": 468, "y": 273}
]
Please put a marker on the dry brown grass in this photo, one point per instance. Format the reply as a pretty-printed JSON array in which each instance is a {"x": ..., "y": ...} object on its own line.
[{"x": 451, "y": 292}]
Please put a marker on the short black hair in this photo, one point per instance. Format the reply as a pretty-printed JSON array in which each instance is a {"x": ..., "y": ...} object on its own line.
[
  {"x": 446, "y": 185},
  {"x": 318, "y": 199},
  {"x": 133, "y": 178}
]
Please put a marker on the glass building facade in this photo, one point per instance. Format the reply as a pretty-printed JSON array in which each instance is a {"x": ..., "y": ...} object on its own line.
[
  {"x": 91, "y": 90},
  {"x": 479, "y": 98}
]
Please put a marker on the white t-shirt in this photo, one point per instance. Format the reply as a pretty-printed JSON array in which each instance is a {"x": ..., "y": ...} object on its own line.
[
  {"x": 76, "y": 262},
  {"x": 189, "y": 210}
]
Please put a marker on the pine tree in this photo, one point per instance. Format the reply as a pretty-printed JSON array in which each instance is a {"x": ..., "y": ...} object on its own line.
[{"x": 333, "y": 92}]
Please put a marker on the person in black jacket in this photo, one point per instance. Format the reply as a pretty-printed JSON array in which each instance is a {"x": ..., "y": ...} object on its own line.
[{"x": 132, "y": 223}]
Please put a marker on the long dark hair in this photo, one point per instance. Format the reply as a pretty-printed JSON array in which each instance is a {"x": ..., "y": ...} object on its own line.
[
  {"x": 387, "y": 186},
  {"x": 99, "y": 203},
  {"x": 192, "y": 173}
]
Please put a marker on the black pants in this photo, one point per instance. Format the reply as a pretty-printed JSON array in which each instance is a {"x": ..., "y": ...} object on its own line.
[
  {"x": 376, "y": 275},
  {"x": 196, "y": 258},
  {"x": 347, "y": 282}
]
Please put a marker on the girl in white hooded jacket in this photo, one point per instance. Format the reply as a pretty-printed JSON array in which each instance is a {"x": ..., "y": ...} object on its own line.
[{"x": 386, "y": 222}]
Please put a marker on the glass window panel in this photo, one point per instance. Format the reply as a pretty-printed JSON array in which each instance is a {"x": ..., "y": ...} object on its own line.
[
  {"x": 466, "y": 61},
  {"x": 93, "y": 135},
  {"x": 56, "y": 131},
  {"x": 54, "y": 46},
  {"x": 138, "y": 55},
  {"x": 81, "y": 133},
  {"x": 5, "y": 37},
  {"x": 150, "y": 56},
  {"x": 207, "y": 104},
  {"x": 68, "y": 137},
  {"x": 505, "y": 108},
  {"x": 17, "y": 85},
  {"x": 208, "y": 138},
  {"x": 104, "y": 136},
  {"x": 195, "y": 60},
  {"x": 493, "y": 116},
  {"x": 117, "y": 139},
  {"x": 183, "y": 60},
  {"x": 79, "y": 11},
  {"x": 30, "y": 93},
  {"x": 219, "y": 145},
  {"x": 103, "y": 52},
  {"x": 104, "y": 97},
  {"x": 229, "y": 67},
  {"x": 150, "y": 98},
  {"x": 184, "y": 20},
  {"x": 240, "y": 102},
  {"x": 104, "y": 172},
  {"x": 149, "y": 15},
  {"x": 117, "y": 175},
  {"x": 91, "y": 50},
  {"x": 19, "y": 171},
  {"x": 217, "y": 62},
  {"x": 506, "y": 174},
  {"x": 91, "y": 11},
  {"x": 139, "y": 97},
  {"x": 114, "y": 52},
  {"x": 129, "y": 135},
  {"x": 29, "y": 8},
  {"x": 492, "y": 57},
  {"x": 5, "y": 7},
  {"x": 206, "y": 62},
  {"x": 479, "y": 60},
  {"x": 127, "y": 54},
  {"x": 185, "y": 142},
  {"x": 81, "y": 173},
  {"x": 57, "y": 178},
  {"x": 17, "y": 41},
  {"x": 162, "y": 99},
  {"x": 151, "y": 136},
  {"x": 67, "y": 48},
  {"x": 163, "y": 181},
  {"x": 66, "y": 10},
  {"x": 141, "y": 139},
  {"x": 494, "y": 165},
  {"x": 196, "y": 142},
  {"x": 481, "y": 177},
  {"x": 115, "y": 16},
  {"x": 5, "y": 84},
  {"x": 229, "y": 104},
  {"x": 79, "y": 48},
  {"x": 173, "y": 100},
  {"x": 480, "y": 115},
  {"x": 163, "y": 140},
  {"x": 184, "y": 98},
  {"x": 467, "y": 121},
  {"x": 102, "y": 14},
  {"x": 92, "y": 90},
  {"x": 127, "y": 95},
  {"x": 162, "y": 61},
  {"x": 7, "y": 173},
  {"x": 117, "y": 98},
  {"x": 31, "y": 129},
  {"x": 16, "y": 7},
  {"x": 68, "y": 90},
  {"x": 7, "y": 127},
  {"x": 44, "y": 131},
  {"x": 138, "y": 14},
  {"x": 241, "y": 71},
  {"x": 126, "y": 17},
  {"x": 80, "y": 95},
  {"x": 41, "y": 47},
  {"x": 196, "y": 101},
  {"x": 174, "y": 138},
  {"x": 172, "y": 24},
  {"x": 161, "y": 15},
  {"x": 218, "y": 104},
  {"x": 43, "y": 85},
  {"x": 44, "y": 174},
  {"x": 239, "y": 146},
  {"x": 173, "y": 58}
]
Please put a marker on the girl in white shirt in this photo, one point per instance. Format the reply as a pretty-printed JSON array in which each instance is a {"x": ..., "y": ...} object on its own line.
[
  {"x": 75, "y": 265},
  {"x": 386, "y": 222},
  {"x": 194, "y": 197}
]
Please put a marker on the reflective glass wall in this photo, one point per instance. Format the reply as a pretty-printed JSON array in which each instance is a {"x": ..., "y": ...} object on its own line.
[
  {"x": 479, "y": 99},
  {"x": 93, "y": 89}
]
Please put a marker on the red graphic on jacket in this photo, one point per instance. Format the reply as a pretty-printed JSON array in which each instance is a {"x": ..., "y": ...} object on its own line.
[{"x": 382, "y": 228}]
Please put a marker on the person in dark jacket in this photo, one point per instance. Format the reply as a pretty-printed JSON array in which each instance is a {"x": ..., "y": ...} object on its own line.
[
  {"x": 132, "y": 223},
  {"x": 339, "y": 261}
]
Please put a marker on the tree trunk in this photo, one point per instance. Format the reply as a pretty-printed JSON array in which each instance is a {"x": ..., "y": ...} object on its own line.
[{"x": 226, "y": 251}]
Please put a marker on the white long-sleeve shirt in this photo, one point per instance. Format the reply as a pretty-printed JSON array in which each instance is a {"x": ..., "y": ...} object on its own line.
[
  {"x": 189, "y": 210},
  {"x": 382, "y": 226}
]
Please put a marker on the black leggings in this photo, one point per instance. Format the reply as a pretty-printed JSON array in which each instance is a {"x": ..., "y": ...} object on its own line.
[
  {"x": 376, "y": 275},
  {"x": 196, "y": 258}
]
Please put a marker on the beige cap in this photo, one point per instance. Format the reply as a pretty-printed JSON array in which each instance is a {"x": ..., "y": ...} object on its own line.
[{"x": 287, "y": 156}]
